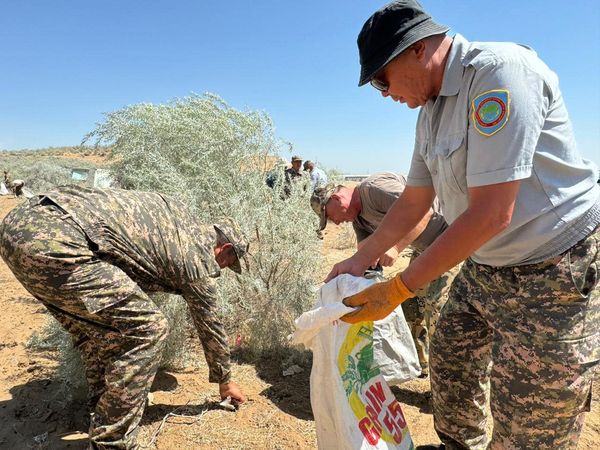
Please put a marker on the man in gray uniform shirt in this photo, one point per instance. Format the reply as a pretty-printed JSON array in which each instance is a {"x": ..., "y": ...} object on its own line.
[
  {"x": 521, "y": 328},
  {"x": 365, "y": 206}
]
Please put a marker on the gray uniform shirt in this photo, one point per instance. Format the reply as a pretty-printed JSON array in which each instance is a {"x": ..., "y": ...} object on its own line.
[
  {"x": 377, "y": 195},
  {"x": 499, "y": 117}
]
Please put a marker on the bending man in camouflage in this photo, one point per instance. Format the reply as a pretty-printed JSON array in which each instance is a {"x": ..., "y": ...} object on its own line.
[
  {"x": 365, "y": 206},
  {"x": 90, "y": 256}
]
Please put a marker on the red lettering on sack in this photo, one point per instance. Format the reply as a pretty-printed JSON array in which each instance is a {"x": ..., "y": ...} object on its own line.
[
  {"x": 369, "y": 431},
  {"x": 396, "y": 412},
  {"x": 376, "y": 396},
  {"x": 373, "y": 416},
  {"x": 394, "y": 421}
]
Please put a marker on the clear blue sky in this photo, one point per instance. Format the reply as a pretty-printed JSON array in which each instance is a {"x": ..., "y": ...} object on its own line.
[{"x": 64, "y": 63}]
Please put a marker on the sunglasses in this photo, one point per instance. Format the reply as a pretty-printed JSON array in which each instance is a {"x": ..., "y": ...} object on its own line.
[{"x": 380, "y": 85}]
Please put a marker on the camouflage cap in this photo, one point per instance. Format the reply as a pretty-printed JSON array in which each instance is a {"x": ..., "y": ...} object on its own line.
[
  {"x": 318, "y": 200},
  {"x": 234, "y": 235},
  {"x": 296, "y": 158}
]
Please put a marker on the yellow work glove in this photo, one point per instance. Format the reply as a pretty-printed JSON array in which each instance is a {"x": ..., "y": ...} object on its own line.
[{"x": 377, "y": 301}]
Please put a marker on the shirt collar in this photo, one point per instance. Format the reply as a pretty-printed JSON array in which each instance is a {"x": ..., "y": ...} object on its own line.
[{"x": 454, "y": 68}]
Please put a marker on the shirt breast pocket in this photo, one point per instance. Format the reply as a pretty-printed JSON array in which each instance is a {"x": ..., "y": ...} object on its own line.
[{"x": 451, "y": 155}]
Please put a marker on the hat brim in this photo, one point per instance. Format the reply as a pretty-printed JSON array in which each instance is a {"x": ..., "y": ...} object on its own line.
[
  {"x": 370, "y": 68},
  {"x": 323, "y": 219},
  {"x": 236, "y": 266}
]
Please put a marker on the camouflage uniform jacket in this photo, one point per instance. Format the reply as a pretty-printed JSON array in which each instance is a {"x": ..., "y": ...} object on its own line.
[
  {"x": 158, "y": 242},
  {"x": 292, "y": 175}
]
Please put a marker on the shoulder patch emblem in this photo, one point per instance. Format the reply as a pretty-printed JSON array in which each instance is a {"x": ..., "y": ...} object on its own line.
[{"x": 490, "y": 111}]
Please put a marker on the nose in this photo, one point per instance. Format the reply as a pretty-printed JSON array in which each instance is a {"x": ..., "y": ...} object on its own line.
[{"x": 385, "y": 94}]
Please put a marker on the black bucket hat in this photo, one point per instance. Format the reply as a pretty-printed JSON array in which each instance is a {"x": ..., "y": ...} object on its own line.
[{"x": 389, "y": 32}]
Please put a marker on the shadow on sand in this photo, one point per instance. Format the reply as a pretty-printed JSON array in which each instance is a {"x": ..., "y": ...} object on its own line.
[
  {"x": 37, "y": 416},
  {"x": 407, "y": 396},
  {"x": 291, "y": 394}
]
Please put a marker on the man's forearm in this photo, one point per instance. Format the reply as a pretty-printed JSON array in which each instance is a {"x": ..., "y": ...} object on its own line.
[
  {"x": 414, "y": 233},
  {"x": 490, "y": 211},
  {"x": 211, "y": 333},
  {"x": 469, "y": 232},
  {"x": 216, "y": 350}
]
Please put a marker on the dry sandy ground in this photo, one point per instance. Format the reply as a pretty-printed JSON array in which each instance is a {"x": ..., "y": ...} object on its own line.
[{"x": 277, "y": 416}]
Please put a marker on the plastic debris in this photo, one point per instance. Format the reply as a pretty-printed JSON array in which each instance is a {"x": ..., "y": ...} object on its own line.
[
  {"x": 292, "y": 370},
  {"x": 227, "y": 404}
]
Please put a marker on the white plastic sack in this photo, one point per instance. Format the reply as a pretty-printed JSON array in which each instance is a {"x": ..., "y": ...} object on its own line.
[
  {"x": 352, "y": 404},
  {"x": 394, "y": 349}
]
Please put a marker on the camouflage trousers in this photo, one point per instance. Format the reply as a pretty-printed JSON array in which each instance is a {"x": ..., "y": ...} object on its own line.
[
  {"x": 524, "y": 340},
  {"x": 422, "y": 312},
  {"x": 118, "y": 330}
]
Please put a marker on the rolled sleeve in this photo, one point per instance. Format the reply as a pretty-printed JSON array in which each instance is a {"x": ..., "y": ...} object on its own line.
[
  {"x": 499, "y": 176},
  {"x": 419, "y": 174}
]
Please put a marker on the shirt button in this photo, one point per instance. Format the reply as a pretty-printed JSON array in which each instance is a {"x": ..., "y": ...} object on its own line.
[{"x": 434, "y": 172}]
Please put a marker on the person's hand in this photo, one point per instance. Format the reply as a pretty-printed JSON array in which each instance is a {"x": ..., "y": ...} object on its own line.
[
  {"x": 232, "y": 390},
  {"x": 377, "y": 301},
  {"x": 388, "y": 259},
  {"x": 352, "y": 265}
]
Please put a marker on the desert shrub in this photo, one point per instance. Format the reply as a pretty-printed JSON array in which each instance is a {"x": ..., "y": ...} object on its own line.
[
  {"x": 41, "y": 174},
  {"x": 38, "y": 175},
  {"x": 70, "y": 370},
  {"x": 177, "y": 352},
  {"x": 334, "y": 176},
  {"x": 214, "y": 158}
]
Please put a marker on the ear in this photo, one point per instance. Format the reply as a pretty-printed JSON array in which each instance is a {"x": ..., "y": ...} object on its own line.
[
  {"x": 222, "y": 249},
  {"x": 226, "y": 247},
  {"x": 418, "y": 49}
]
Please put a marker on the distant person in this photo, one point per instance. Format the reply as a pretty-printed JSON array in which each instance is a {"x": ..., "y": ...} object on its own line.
[
  {"x": 14, "y": 186},
  {"x": 365, "y": 205},
  {"x": 276, "y": 175},
  {"x": 17, "y": 187},
  {"x": 295, "y": 171},
  {"x": 318, "y": 177},
  {"x": 7, "y": 179},
  {"x": 294, "y": 175},
  {"x": 90, "y": 256}
]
